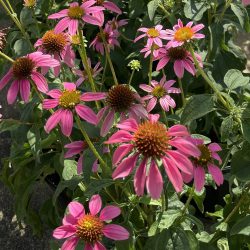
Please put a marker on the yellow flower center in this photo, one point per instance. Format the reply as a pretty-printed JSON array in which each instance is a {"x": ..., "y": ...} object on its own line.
[
  {"x": 151, "y": 139},
  {"x": 69, "y": 99},
  {"x": 29, "y": 3},
  {"x": 75, "y": 12},
  {"x": 120, "y": 97},
  {"x": 153, "y": 32},
  {"x": 205, "y": 156},
  {"x": 89, "y": 228},
  {"x": 159, "y": 91},
  {"x": 183, "y": 34},
  {"x": 54, "y": 42},
  {"x": 23, "y": 67}
]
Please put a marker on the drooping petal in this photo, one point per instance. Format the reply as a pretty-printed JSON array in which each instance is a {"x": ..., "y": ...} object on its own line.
[
  {"x": 59, "y": 14},
  {"x": 111, "y": 6},
  {"x": 178, "y": 130},
  {"x": 40, "y": 81},
  {"x": 139, "y": 110},
  {"x": 125, "y": 167},
  {"x": 179, "y": 68},
  {"x": 53, "y": 121},
  {"x": 199, "y": 178},
  {"x": 73, "y": 25},
  {"x": 216, "y": 174},
  {"x": 70, "y": 244},
  {"x": 66, "y": 122},
  {"x": 120, "y": 136},
  {"x": 217, "y": 157},
  {"x": 95, "y": 204},
  {"x": 121, "y": 152},
  {"x": 151, "y": 104},
  {"x": 12, "y": 92},
  {"x": 140, "y": 178},
  {"x": 109, "y": 213},
  {"x": 107, "y": 123},
  {"x": 76, "y": 209},
  {"x": 62, "y": 25},
  {"x": 64, "y": 231},
  {"x": 6, "y": 79},
  {"x": 154, "y": 181},
  {"x": 80, "y": 164},
  {"x": 146, "y": 88},
  {"x": 98, "y": 246},
  {"x": 128, "y": 125},
  {"x": 173, "y": 174},
  {"x": 24, "y": 89},
  {"x": 93, "y": 96},
  {"x": 115, "y": 232},
  {"x": 86, "y": 113}
]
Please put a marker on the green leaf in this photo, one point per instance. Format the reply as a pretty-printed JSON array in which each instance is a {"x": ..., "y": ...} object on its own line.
[
  {"x": 234, "y": 79},
  {"x": 194, "y": 10},
  {"x": 152, "y": 7},
  {"x": 241, "y": 14},
  {"x": 21, "y": 47},
  {"x": 159, "y": 241},
  {"x": 226, "y": 128},
  {"x": 136, "y": 8},
  {"x": 95, "y": 186},
  {"x": 69, "y": 169},
  {"x": 195, "y": 221},
  {"x": 168, "y": 218},
  {"x": 245, "y": 121},
  {"x": 241, "y": 163},
  {"x": 199, "y": 198},
  {"x": 242, "y": 226},
  {"x": 26, "y": 16},
  {"x": 196, "y": 107},
  {"x": 9, "y": 125}
]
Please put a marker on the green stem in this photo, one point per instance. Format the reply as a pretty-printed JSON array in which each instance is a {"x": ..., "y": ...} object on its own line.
[
  {"x": 164, "y": 116},
  {"x": 188, "y": 201},
  {"x": 104, "y": 70},
  {"x": 108, "y": 56},
  {"x": 182, "y": 92},
  {"x": 224, "y": 10},
  {"x": 6, "y": 57},
  {"x": 163, "y": 202},
  {"x": 150, "y": 66},
  {"x": 210, "y": 83},
  {"x": 131, "y": 77},
  {"x": 90, "y": 144},
  {"x": 36, "y": 22}
]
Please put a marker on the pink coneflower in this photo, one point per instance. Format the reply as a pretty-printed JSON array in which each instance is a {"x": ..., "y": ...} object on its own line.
[
  {"x": 182, "y": 34},
  {"x": 23, "y": 70},
  {"x": 75, "y": 13},
  {"x": 75, "y": 148},
  {"x": 83, "y": 74},
  {"x": 122, "y": 100},
  {"x": 149, "y": 142},
  {"x": 110, "y": 36},
  {"x": 147, "y": 50},
  {"x": 160, "y": 91},
  {"x": 206, "y": 162},
  {"x": 115, "y": 24},
  {"x": 89, "y": 227},
  {"x": 68, "y": 100},
  {"x": 181, "y": 59},
  {"x": 154, "y": 35},
  {"x": 57, "y": 45},
  {"x": 245, "y": 2}
]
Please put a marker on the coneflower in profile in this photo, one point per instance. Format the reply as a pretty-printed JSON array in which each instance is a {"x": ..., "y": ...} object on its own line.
[{"x": 2, "y": 38}]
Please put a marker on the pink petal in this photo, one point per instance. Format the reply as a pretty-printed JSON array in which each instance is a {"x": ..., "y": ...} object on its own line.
[
  {"x": 64, "y": 231},
  {"x": 199, "y": 178},
  {"x": 173, "y": 174},
  {"x": 178, "y": 68},
  {"x": 140, "y": 178},
  {"x": 95, "y": 204},
  {"x": 154, "y": 181},
  {"x": 214, "y": 147},
  {"x": 98, "y": 246},
  {"x": 86, "y": 113},
  {"x": 50, "y": 103},
  {"x": 154, "y": 117},
  {"x": 91, "y": 20},
  {"x": 76, "y": 209},
  {"x": 164, "y": 104},
  {"x": 69, "y": 86},
  {"x": 59, "y": 14},
  {"x": 128, "y": 125},
  {"x": 111, "y": 6},
  {"x": 40, "y": 82},
  {"x": 66, "y": 122},
  {"x": 121, "y": 152},
  {"x": 69, "y": 219},
  {"x": 120, "y": 136},
  {"x": 109, "y": 213},
  {"x": 125, "y": 167},
  {"x": 6, "y": 79},
  {"x": 115, "y": 232},
  {"x": 55, "y": 93},
  {"x": 12, "y": 92},
  {"x": 80, "y": 164},
  {"x": 216, "y": 157},
  {"x": 151, "y": 104},
  {"x": 178, "y": 130},
  {"x": 146, "y": 88},
  {"x": 139, "y": 110},
  {"x": 198, "y": 27},
  {"x": 88, "y": 247},
  {"x": 75, "y": 145},
  {"x": 70, "y": 244},
  {"x": 24, "y": 89},
  {"x": 53, "y": 121},
  {"x": 92, "y": 96},
  {"x": 73, "y": 26},
  {"x": 216, "y": 174},
  {"x": 107, "y": 123},
  {"x": 162, "y": 63},
  {"x": 62, "y": 25}
]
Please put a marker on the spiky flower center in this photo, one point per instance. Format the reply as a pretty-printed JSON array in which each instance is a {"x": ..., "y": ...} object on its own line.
[
  {"x": 205, "y": 156},
  {"x": 54, "y": 42},
  {"x": 159, "y": 91},
  {"x": 69, "y": 98},
  {"x": 177, "y": 53},
  {"x": 151, "y": 139},
  {"x": 152, "y": 32},
  {"x": 89, "y": 228},
  {"x": 75, "y": 12},
  {"x": 120, "y": 98},
  {"x": 23, "y": 67},
  {"x": 105, "y": 36},
  {"x": 183, "y": 34},
  {"x": 99, "y": 2}
]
